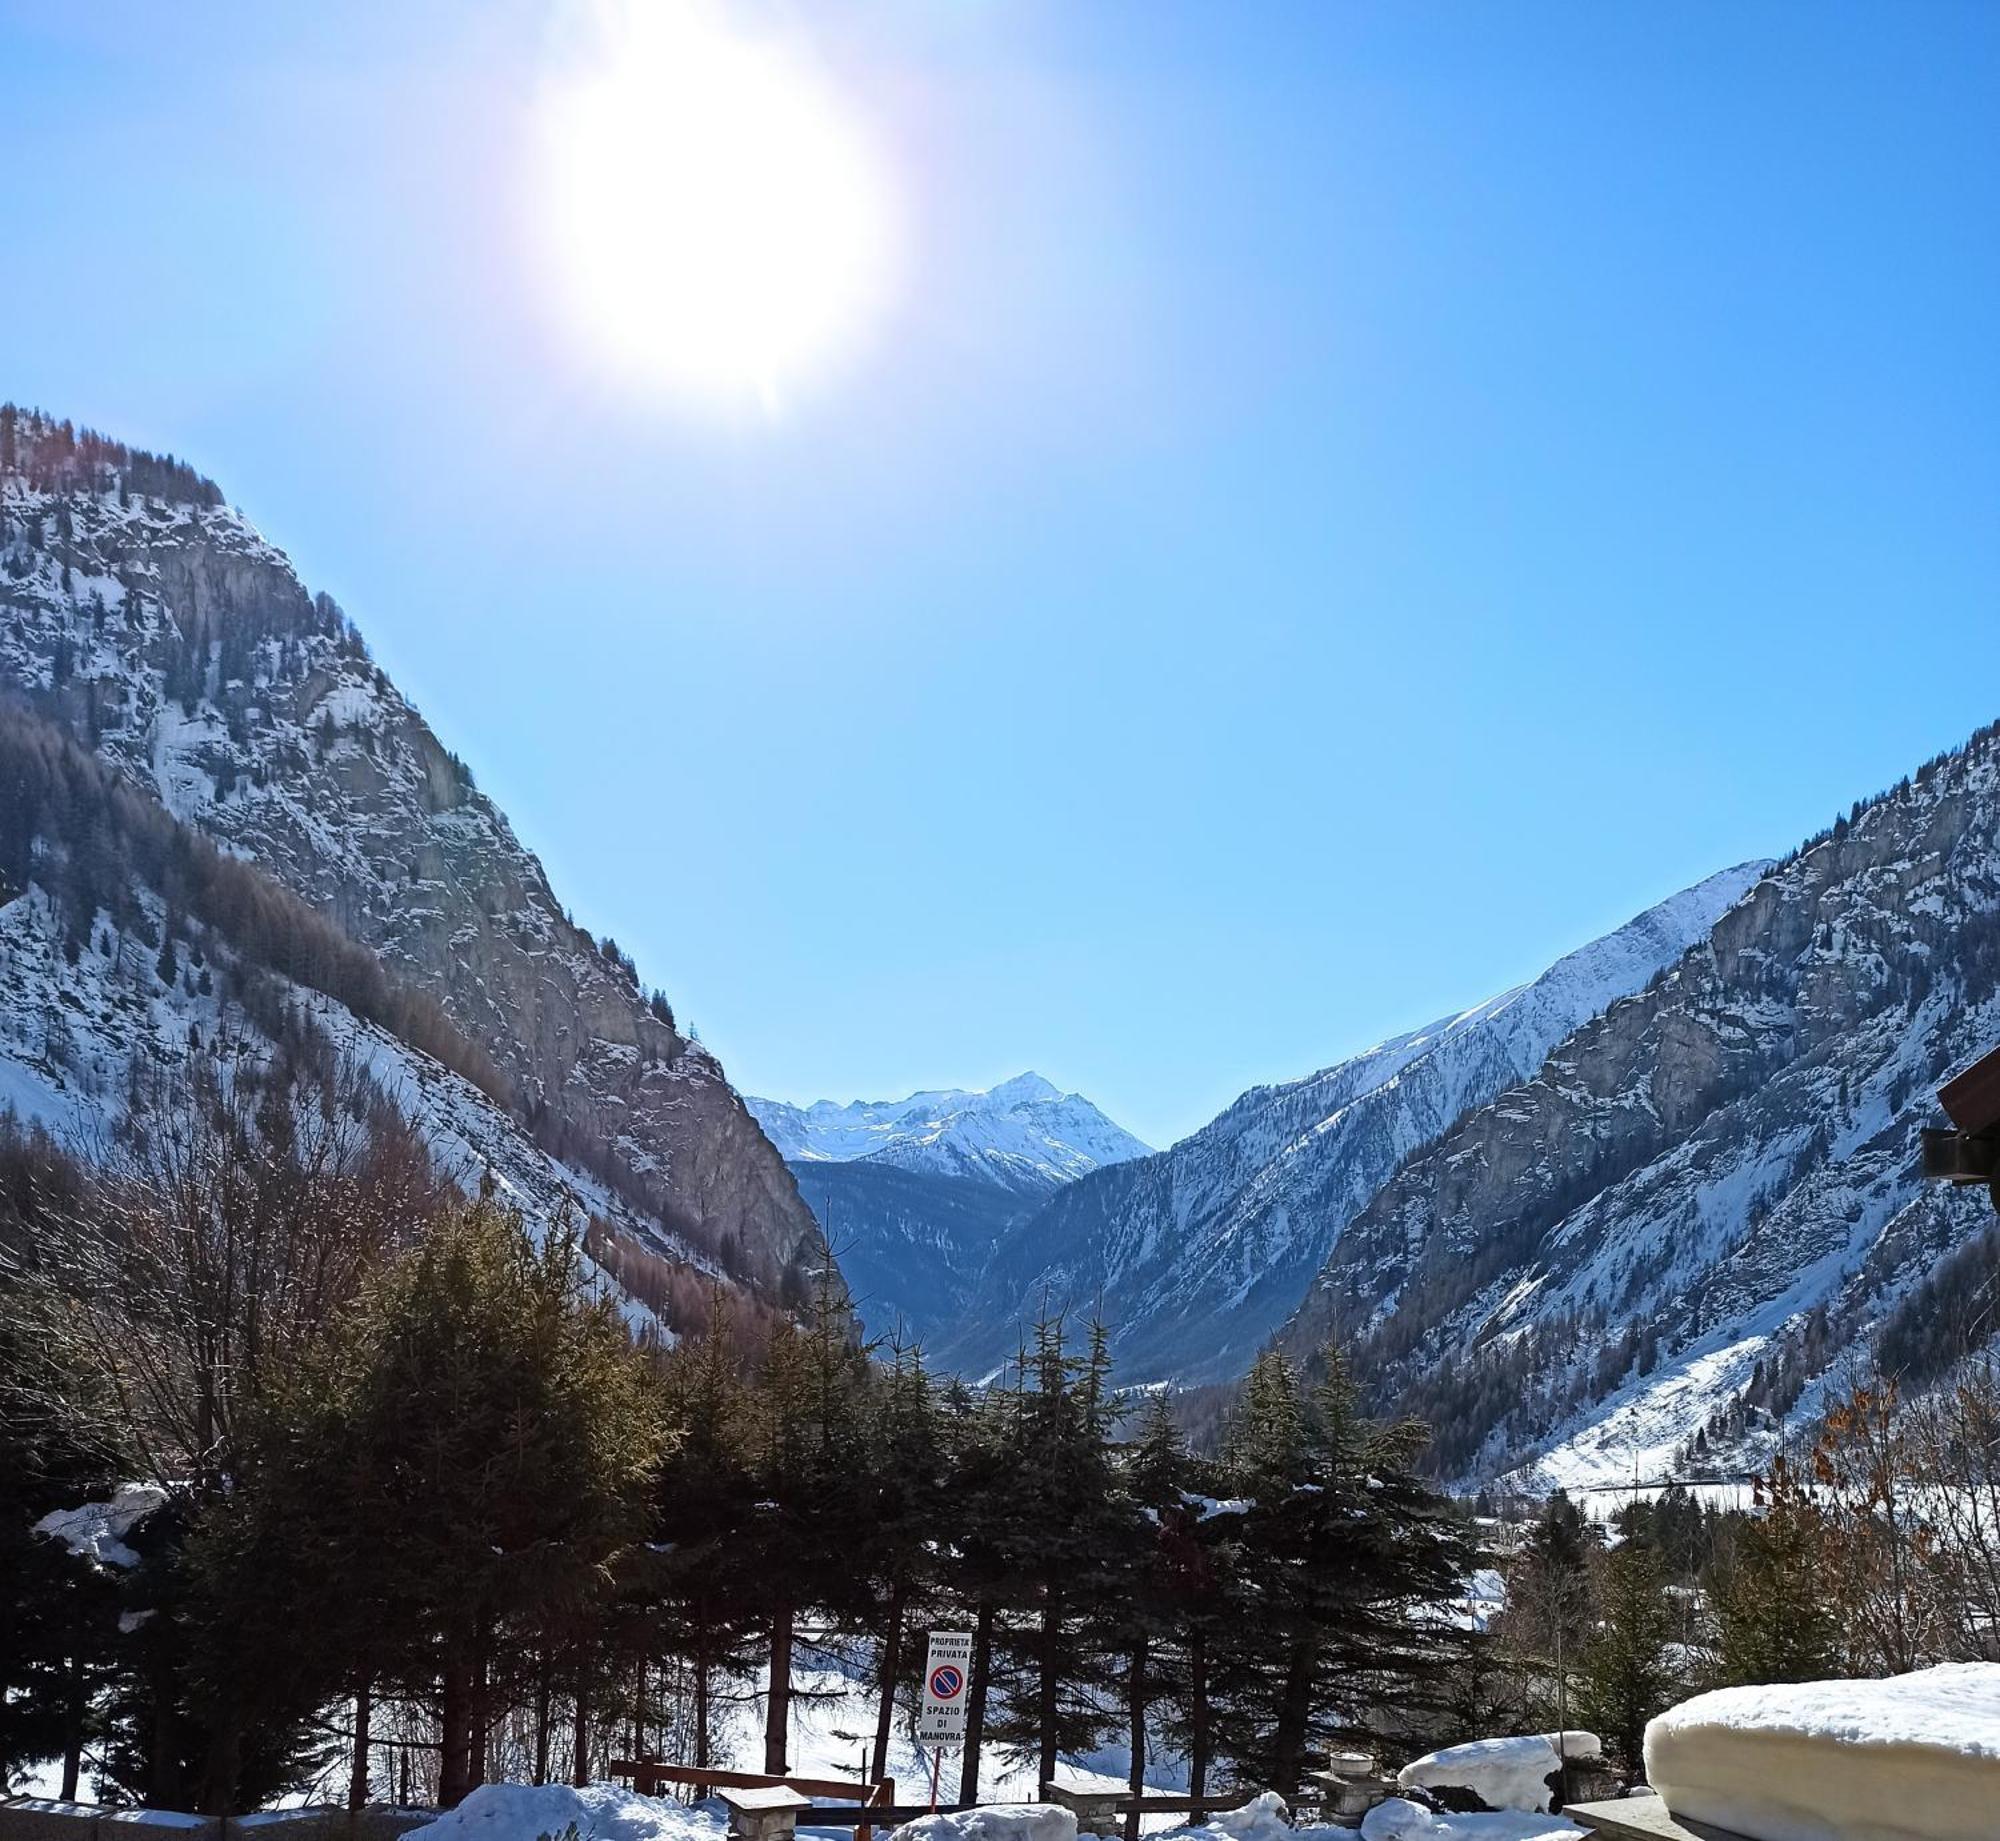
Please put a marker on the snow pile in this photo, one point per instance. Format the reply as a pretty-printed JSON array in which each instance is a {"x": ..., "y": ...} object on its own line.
[
  {"x": 1262, "y": 1818},
  {"x": 597, "y": 1812},
  {"x": 1400, "y": 1820},
  {"x": 1502, "y": 1773},
  {"x": 1914, "y": 1758},
  {"x": 1003, "y": 1822},
  {"x": 96, "y": 1531}
]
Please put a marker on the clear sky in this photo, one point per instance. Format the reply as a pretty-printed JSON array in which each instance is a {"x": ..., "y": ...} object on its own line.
[{"x": 1327, "y": 507}]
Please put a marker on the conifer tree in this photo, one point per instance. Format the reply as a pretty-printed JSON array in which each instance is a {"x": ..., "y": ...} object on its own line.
[
  {"x": 1345, "y": 1557},
  {"x": 1549, "y": 1604},
  {"x": 1148, "y": 1616},
  {"x": 812, "y": 1527},
  {"x": 706, "y": 1494},
  {"x": 1061, "y": 1538},
  {"x": 465, "y": 1458},
  {"x": 908, "y": 1460},
  {"x": 980, "y": 1561},
  {"x": 1625, "y": 1677},
  {"x": 1775, "y": 1613}
]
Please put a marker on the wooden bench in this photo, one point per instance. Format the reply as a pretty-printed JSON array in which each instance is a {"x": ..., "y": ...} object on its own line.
[{"x": 1642, "y": 1818}]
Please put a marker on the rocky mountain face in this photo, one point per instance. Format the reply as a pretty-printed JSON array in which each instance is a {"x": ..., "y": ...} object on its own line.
[
  {"x": 912, "y": 1244},
  {"x": 1702, "y": 1211},
  {"x": 149, "y": 621},
  {"x": 1195, "y": 1255},
  {"x": 1025, "y": 1135}
]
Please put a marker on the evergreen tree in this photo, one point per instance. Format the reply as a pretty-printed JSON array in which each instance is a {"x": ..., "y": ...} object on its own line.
[
  {"x": 1147, "y": 1623},
  {"x": 464, "y": 1460},
  {"x": 703, "y": 1601},
  {"x": 59, "y": 1635},
  {"x": 1774, "y": 1610},
  {"x": 1062, "y": 1536},
  {"x": 1548, "y": 1611},
  {"x": 1625, "y": 1675},
  {"x": 1345, "y": 1557},
  {"x": 808, "y": 1541},
  {"x": 908, "y": 1459}
]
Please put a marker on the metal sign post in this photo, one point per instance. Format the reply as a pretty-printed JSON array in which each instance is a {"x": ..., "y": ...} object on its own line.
[{"x": 947, "y": 1671}]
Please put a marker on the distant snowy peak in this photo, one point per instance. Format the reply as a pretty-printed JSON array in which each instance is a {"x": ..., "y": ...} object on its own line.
[{"x": 1026, "y": 1134}]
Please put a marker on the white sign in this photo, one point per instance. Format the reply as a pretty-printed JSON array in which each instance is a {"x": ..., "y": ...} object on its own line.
[{"x": 947, "y": 1676}]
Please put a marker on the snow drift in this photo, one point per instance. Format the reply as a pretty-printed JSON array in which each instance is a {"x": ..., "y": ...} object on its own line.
[
  {"x": 1401, "y": 1820},
  {"x": 1502, "y": 1773},
  {"x": 1913, "y": 1758},
  {"x": 543, "y": 1812},
  {"x": 1003, "y": 1822}
]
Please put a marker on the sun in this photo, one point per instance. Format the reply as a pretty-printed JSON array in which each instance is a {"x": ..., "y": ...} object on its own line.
[{"x": 718, "y": 220}]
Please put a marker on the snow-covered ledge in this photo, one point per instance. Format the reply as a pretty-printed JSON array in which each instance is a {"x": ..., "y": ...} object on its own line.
[{"x": 1912, "y": 1758}]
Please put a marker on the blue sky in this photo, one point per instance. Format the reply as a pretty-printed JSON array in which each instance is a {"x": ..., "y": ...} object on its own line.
[{"x": 1346, "y": 502}]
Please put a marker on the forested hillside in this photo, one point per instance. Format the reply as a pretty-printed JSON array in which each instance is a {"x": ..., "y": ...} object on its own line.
[{"x": 152, "y": 626}]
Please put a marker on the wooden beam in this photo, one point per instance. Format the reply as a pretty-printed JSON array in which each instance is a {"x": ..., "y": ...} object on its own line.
[{"x": 1972, "y": 1100}]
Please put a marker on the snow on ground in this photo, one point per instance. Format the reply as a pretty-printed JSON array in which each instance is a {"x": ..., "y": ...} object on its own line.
[
  {"x": 597, "y": 1812},
  {"x": 1913, "y": 1758},
  {"x": 1502, "y": 1773},
  {"x": 95, "y": 1531},
  {"x": 1399, "y": 1820},
  {"x": 1009, "y": 1822},
  {"x": 829, "y": 1701},
  {"x": 1262, "y": 1818}
]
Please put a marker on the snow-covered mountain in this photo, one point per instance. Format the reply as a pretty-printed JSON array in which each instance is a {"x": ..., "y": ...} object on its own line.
[
  {"x": 1026, "y": 1134},
  {"x": 147, "y": 621},
  {"x": 915, "y": 1194},
  {"x": 1195, "y": 1255},
  {"x": 1703, "y": 1209}
]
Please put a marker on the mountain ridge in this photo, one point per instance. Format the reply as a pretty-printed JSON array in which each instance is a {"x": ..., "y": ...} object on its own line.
[
  {"x": 1705, "y": 1206},
  {"x": 1199, "y": 1252},
  {"x": 1024, "y": 1134},
  {"x": 150, "y": 621}
]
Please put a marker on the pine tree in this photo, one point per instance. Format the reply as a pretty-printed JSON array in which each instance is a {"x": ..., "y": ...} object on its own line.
[
  {"x": 1344, "y": 1556},
  {"x": 1625, "y": 1676},
  {"x": 1774, "y": 1610},
  {"x": 908, "y": 1488},
  {"x": 465, "y": 1460},
  {"x": 1147, "y": 1620},
  {"x": 703, "y": 1606},
  {"x": 1548, "y": 1611},
  {"x": 809, "y": 1538},
  {"x": 1061, "y": 1536}
]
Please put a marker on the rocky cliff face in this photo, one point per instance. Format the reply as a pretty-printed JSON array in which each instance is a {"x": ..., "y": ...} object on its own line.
[
  {"x": 160, "y": 629},
  {"x": 1703, "y": 1206},
  {"x": 1197, "y": 1254}
]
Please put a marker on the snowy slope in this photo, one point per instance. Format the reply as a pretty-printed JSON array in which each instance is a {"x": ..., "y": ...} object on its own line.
[
  {"x": 71, "y": 1034},
  {"x": 1199, "y": 1253},
  {"x": 1025, "y": 1134},
  {"x": 163, "y": 632},
  {"x": 1704, "y": 1207}
]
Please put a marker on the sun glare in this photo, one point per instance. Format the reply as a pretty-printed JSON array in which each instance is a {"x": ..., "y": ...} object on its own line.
[{"x": 718, "y": 219}]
